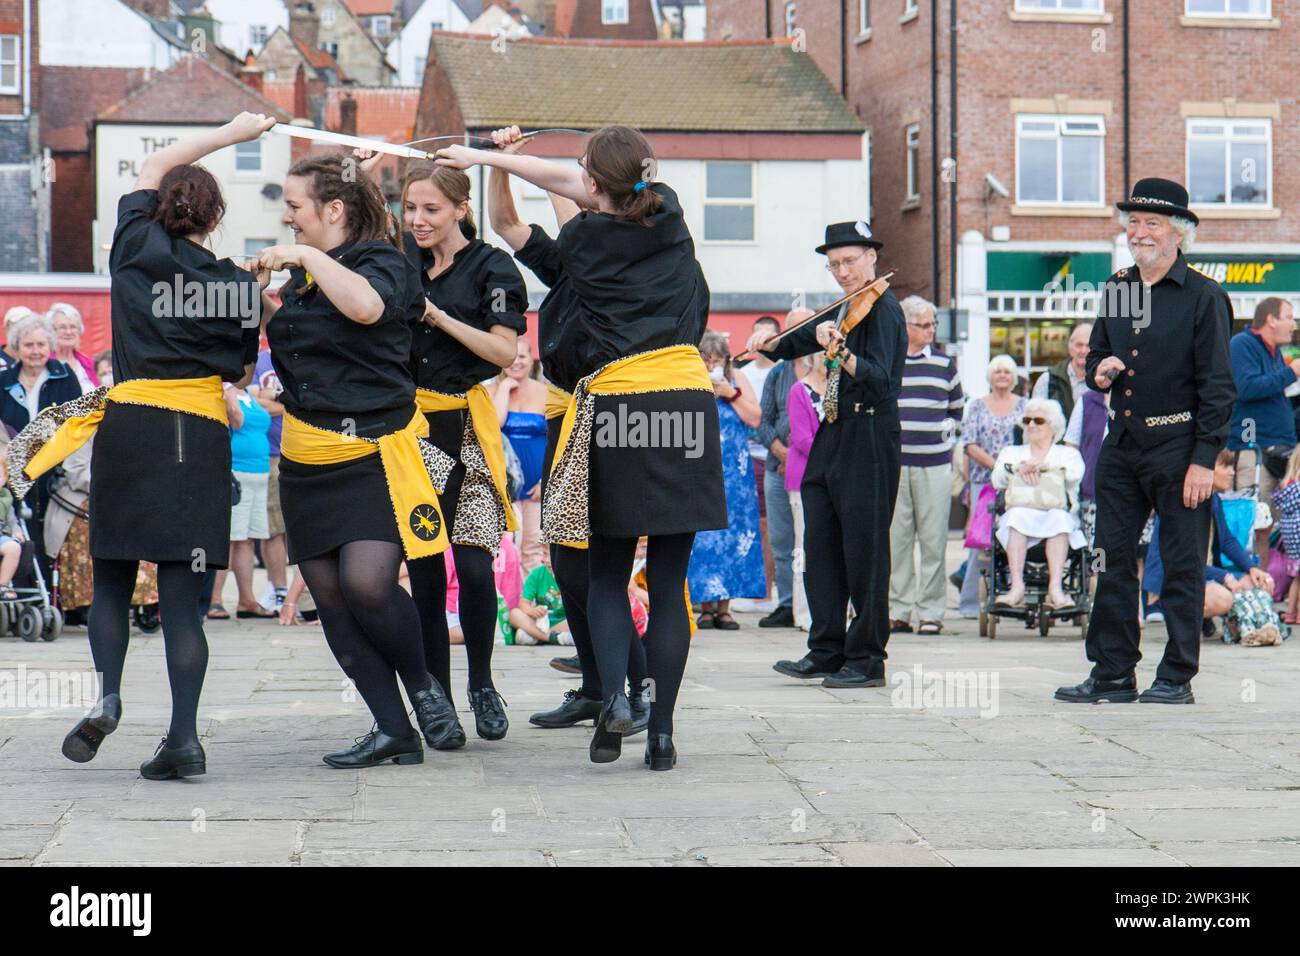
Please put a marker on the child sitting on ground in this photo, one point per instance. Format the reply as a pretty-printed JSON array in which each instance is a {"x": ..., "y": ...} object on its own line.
[{"x": 539, "y": 617}]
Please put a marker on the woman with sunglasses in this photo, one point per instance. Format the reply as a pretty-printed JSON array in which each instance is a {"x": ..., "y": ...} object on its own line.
[{"x": 1041, "y": 479}]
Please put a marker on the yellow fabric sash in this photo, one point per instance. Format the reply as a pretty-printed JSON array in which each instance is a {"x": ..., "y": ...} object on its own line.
[
  {"x": 676, "y": 368},
  {"x": 415, "y": 501},
  {"x": 487, "y": 429},
  {"x": 194, "y": 396},
  {"x": 557, "y": 401}
]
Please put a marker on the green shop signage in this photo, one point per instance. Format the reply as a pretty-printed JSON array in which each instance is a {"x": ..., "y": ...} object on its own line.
[
  {"x": 1039, "y": 271},
  {"x": 1250, "y": 273}
]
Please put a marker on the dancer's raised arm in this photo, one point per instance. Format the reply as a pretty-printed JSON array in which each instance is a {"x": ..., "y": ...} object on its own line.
[{"x": 242, "y": 129}]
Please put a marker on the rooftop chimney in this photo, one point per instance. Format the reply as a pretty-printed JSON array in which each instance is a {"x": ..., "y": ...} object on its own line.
[
  {"x": 304, "y": 25},
  {"x": 348, "y": 115}
]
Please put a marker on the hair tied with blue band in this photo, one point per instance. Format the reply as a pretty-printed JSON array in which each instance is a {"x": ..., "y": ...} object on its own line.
[{"x": 639, "y": 186}]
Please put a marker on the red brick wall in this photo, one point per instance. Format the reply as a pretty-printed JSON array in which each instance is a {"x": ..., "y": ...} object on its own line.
[
  {"x": 11, "y": 23},
  {"x": 640, "y": 22},
  {"x": 72, "y": 210}
]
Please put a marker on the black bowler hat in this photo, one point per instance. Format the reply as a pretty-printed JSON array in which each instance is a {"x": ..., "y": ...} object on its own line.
[
  {"x": 849, "y": 234},
  {"x": 1159, "y": 195}
]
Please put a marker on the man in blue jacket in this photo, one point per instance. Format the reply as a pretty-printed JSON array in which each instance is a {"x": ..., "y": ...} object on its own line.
[{"x": 1262, "y": 416}]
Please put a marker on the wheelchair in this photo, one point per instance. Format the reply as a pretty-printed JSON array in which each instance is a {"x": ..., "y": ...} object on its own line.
[
  {"x": 995, "y": 580},
  {"x": 32, "y": 615}
]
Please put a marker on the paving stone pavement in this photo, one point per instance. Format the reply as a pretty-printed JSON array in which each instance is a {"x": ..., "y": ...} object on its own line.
[{"x": 772, "y": 771}]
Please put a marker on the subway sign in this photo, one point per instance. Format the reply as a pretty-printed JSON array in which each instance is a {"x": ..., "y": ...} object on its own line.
[{"x": 1242, "y": 274}]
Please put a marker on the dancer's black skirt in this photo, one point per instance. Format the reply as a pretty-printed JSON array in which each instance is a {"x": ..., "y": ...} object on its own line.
[{"x": 160, "y": 487}]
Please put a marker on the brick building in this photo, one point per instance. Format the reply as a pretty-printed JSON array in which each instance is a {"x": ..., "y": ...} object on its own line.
[
  {"x": 24, "y": 175},
  {"x": 1059, "y": 107}
]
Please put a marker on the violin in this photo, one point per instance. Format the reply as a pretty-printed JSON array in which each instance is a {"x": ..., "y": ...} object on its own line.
[{"x": 860, "y": 303}]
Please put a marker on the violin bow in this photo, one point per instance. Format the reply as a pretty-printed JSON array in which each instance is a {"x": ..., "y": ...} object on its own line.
[{"x": 816, "y": 315}]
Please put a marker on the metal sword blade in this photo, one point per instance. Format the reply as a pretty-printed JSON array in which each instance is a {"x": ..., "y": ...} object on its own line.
[{"x": 343, "y": 139}]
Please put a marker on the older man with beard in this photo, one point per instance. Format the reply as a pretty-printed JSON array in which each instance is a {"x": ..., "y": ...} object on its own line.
[{"x": 1160, "y": 347}]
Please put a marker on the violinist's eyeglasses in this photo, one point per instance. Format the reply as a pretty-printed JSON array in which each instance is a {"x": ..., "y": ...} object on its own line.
[{"x": 844, "y": 263}]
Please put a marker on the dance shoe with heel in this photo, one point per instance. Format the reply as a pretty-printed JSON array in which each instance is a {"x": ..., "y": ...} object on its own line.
[
  {"x": 172, "y": 763},
  {"x": 83, "y": 742},
  {"x": 660, "y": 754},
  {"x": 489, "y": 707},
  {"x": 377, "y": 747},
  {"x": 437, "y": 720},
  {"x": 614, "y": 721}
]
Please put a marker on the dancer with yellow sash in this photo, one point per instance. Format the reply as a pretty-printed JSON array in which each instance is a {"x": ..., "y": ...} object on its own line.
[
  {"x": 473, "y": 315},
  {"x": 357, "y": 479},
  {"x": 638, "y": 452},
  {"x": 160, "y": 486},
  {"x": 541, "y": 253}
]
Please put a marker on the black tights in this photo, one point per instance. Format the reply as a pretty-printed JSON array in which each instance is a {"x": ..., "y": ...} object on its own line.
[
  {"x": 477, "y": 606},
  {"x": 371, "y": 626},
  {"x": 187, "y": 648},
  {"x": 668, "y": 637},
  {"x": 570, "y": 566}
]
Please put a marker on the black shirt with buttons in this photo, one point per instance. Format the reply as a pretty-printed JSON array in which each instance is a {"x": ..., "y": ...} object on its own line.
[
  {"x": 637, "y": 287},
  {"x": 328, "y": 363},
  {"x": 481, "y": 287},
  {"x": 541, "y": 254},
  {"x": 1173, "y": 340},
  {"x": 178, "y": 311}
]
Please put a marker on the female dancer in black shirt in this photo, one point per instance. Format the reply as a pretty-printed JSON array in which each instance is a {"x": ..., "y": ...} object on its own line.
[
  {"x": 540, "y": 253},
  {"x": 475, "y": 311},
  {"x": 160, "y": 488},
  {"x": 641, "y": 305},
  {"x": 355, "y": 483}
]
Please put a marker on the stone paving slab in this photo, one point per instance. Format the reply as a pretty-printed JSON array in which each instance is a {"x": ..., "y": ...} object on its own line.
[{"x": 772, "y": 771}]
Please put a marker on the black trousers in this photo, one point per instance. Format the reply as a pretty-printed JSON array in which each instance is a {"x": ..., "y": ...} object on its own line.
[
  {"x": 848, "y": 492},
  {"x": 1130, "y": 482}
]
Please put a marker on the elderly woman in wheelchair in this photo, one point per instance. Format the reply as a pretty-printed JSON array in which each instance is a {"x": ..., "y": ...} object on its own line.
[{"x": 1040, "y": 482}]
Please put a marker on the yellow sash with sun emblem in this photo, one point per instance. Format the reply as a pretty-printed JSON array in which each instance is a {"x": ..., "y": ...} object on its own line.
[{"x": 415, "y": 501}]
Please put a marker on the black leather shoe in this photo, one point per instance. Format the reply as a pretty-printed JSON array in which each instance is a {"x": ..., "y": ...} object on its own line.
[
  {"x": 82, "y": 743},
  {"x": 614, "y": 721},
  {"x": 1168, "y": 692},
  {"x": 1094, "y": 691},
  {"x": 638, "y": 702},
  {"x": 574, "y": 709},
  {"x": 490, "y": 721},
  {"x": 169, "y": 763},
  {"x": 437, "y": 720},
  {"x": 567, "y": 665},
  {"x": 660, "y": 754},
  {"x": 376, "y": 748},
  {"x": 805, "y": 669},
  {"x": 847, "y": 676},
  {"x": 783, "y": 616}
]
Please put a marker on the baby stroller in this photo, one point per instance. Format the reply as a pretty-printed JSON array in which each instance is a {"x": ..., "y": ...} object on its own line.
[
  {"x": 32, "y": 614},
  {"x": 996, "y": 580}
]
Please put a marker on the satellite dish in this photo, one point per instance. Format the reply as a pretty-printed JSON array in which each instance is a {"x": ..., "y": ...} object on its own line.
[{"x": 272, "y": 191}]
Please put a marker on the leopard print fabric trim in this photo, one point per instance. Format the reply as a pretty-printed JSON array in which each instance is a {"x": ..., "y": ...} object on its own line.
[
  {"x": 24, "y": 446},
  {"x": 831, "y": 400},
  {"x": 565, "y": 515},
  {"x": 480, "y": 517}
]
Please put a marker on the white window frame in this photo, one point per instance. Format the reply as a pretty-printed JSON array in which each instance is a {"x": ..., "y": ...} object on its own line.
[
  {"x": 1057, "y": 6},
  {"x": 791, "y": 14},
  {"x": 613, "y": 11},
  {"x": 1226, "y": 14},
  {"x": 327, "y": 17},
  {"x": 258, "y": 34},
  {"x": 387, "y": 26},
  {"x": 13, "y": 57},
  {"x": 910, "y": 7},
  {"x": 1061, "y": 120},
  {"x": 912, "y": 148},
  {"x": 244, "y": 151},
  {"x": 752, "y": 202},
  {"x": 1229, "y": 139},
  {"x": 864, "y": 16}
]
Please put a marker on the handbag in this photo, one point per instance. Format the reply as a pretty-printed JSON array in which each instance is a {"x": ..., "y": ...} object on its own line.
[
  {"x": 236, "y": 492},
  {"x": 980, "y": 533},
  {"x": 1047, "y": 495},
  {"x": 1253, "y": 621},
  {"x": 1275, "y": 459}
]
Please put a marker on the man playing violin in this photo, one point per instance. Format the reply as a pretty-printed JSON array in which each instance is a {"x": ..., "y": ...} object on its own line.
[{"x": 851, "y": 480}]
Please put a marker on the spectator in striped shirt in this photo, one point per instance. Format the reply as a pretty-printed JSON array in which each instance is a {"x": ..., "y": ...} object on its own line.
[{"x": 929, "y": 409}]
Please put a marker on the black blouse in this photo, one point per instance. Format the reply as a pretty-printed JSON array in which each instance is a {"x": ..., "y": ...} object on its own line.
[
  {"x": 637, "y": 287},
  {"x": 178, "y": 311},
  {"x": 541, "y": 254},
  {"x": 482, "y": 287},
  {"x": 329, "y": 363}
]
